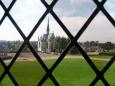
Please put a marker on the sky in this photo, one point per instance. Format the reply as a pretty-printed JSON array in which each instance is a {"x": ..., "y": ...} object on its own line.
[{"x": 73, "y": 13}]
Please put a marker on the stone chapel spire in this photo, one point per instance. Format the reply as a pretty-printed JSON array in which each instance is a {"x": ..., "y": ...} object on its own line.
[{"x": 48, "y": 29}]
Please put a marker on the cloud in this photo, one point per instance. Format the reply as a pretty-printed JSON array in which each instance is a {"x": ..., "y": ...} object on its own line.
[
  {"x": 100, "y": 30},
  {"x": 26, "y": 13},
  {"x": 74, "y": 7},
  {"x": 24, "y": 10},
  {"x": 8, "y": 31},
  {"x": 74, "y": 24}
]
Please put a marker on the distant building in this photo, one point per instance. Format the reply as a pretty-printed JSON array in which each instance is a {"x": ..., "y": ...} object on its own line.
[
  {"x": 45, "y": 42},
  {"x": 92, "y": 46},
  {"x": 4, "y": 54}
]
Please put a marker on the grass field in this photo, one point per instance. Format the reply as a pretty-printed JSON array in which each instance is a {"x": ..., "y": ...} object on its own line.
[{"x": 70, "y": 72}]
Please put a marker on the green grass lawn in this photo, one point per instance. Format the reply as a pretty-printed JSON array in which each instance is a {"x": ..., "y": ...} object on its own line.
[{"x": 70, "y": 72}]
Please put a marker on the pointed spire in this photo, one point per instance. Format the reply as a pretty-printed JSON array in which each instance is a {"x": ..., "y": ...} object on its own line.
[{"x": 48, "y": 29}]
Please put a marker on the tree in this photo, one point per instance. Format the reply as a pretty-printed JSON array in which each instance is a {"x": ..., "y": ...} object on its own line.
[
  {"x": 94, "y": 43},
  {"x": 107, "y": 46},
  {"x": 56, "y": 44},
  {"x": 63, "y": 43},
  {"x": 74, "y": 50},
  {"x": 60, "y": 43},
  {"x": 34, "y": 44}
]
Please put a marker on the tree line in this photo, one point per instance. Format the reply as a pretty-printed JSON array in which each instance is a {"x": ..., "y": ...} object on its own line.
[
  {"x": 13, "y": 46},
  {"x": 107, "y": 46},
  {"x": 59, "y": 44}
]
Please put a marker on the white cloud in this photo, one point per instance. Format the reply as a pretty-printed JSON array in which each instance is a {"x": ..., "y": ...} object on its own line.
[
  {"x": 8, "y": 32},
  {"x": 26, "y": 10},
  {"x": 100, "y": 29},
  {"x": 74, "y": 24},
  {"x": 74, "y": 7}
]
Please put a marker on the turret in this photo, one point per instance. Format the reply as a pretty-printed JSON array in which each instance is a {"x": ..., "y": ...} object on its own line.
[{"x": 48, "y": 30}]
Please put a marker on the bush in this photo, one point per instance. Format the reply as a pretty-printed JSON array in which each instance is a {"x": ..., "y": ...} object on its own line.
[
  {"x": 74, "y": 50},
  {"x": 107, "y": 53}
]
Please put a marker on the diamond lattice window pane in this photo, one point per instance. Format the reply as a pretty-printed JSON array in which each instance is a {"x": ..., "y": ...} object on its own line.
[
  {"x": 74, "y": 70},
  {"x": 26, "y": 70},
  {"x": 98, "y": 40},
  {"x": 7, "y": 2},
  {"x": 1, "y": 69},
  {"x": 99, "y": 83},
  {"x": 1, "y": 12},
  {"x": 110, "y": 7},
  {"x": 74, "y": 13},
  {"x": 27, "y": 13},
  {"x": 109, "y": 75},
  {"x": 100, "y": 0},
  {"x": 7, "y": 81},
  {"x": 49, "y": 1},
  {"x": 48, "y": 82}
]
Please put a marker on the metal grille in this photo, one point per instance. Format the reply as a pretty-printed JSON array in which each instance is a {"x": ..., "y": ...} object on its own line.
[{"x": 99, "y": 74}]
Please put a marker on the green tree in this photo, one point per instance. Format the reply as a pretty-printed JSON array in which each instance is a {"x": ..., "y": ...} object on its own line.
[
  {"x": 56, "y": 44},
  {"x": 63, "y": 43},
  {"x": 74, "y": 50},
  {"x": 107, "y": 46},
  {"x": 34, "y": 44},
  {"x": 60, "y": 44}
]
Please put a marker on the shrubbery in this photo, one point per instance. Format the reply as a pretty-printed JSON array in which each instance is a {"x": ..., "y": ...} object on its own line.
[{"x": 107, "y": 53}]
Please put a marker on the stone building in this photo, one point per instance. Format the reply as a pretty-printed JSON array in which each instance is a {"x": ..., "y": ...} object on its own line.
[{"x": 45, "y": 42}]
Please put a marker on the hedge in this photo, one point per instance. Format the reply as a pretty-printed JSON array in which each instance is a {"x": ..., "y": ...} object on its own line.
[{"x": 107, "y": 53}]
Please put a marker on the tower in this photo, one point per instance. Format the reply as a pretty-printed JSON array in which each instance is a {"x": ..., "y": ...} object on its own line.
[
  {"x": 48, "y": 29},
  {"x": 48, "y": 37}
]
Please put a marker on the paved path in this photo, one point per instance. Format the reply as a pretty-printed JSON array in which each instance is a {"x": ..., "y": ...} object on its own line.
[
  {"x": 67, "y": 57},
  {"x": 56, "y": 56},
  {"x": 77, "y": 57}
]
